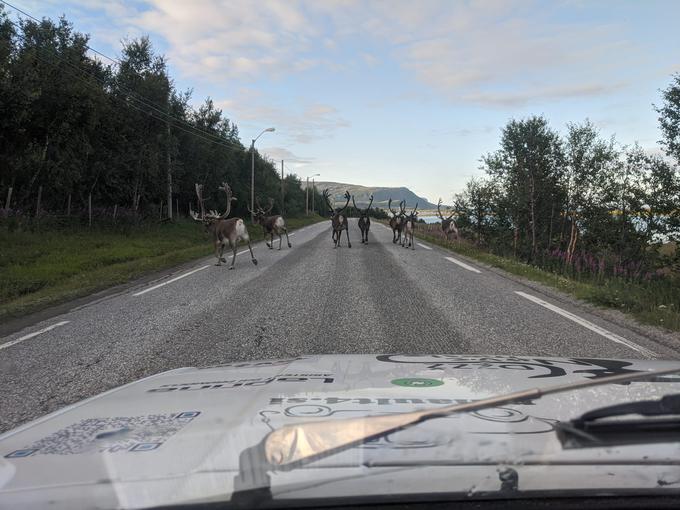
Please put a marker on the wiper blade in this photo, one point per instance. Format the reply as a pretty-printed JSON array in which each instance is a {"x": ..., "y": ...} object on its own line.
[
  {"x": 596, "y": 428},
  {"x": 295, "y": 445}
]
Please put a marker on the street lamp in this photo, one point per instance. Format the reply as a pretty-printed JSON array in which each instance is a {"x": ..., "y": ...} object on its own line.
[
  {"x": 307, "y": 194},
  {"x": 252, "y": 171}
]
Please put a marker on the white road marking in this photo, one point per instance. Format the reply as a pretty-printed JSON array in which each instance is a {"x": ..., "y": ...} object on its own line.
[
  {"x": 463, "y": 264},
  {"x": 184, "y": 275},
  {"x": 424, "y": 246},
  {"x": 170, "y": 281},
  {"x": 589, "y": 325},
  {"x": 31, "y": 335}
]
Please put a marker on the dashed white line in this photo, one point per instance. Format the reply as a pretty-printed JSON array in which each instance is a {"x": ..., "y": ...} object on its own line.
[
  {"x": 589, "y": 325},
  {"x": 424, "y": 246},
  {"x": 31, "y": 335},
  {"x": 463, "y": 264},
  {"x": 170, "y": 281}
]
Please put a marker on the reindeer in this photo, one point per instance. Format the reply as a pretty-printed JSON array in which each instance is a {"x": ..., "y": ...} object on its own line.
[
  {"x": 448, "y": 224},
  {"x": 338, "y": 220},
  {"x": 396, "y": 220},
  {"x": 364, "y": 220},
  {"x": 224, "y": 231},
  {"x": 408, "y": 227},
  {"x": 270, "y": 224}
]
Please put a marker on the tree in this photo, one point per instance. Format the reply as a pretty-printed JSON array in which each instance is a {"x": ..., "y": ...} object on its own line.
[
  {"x": 528, "y": 168},
  {"x": 669, "y": 118}
]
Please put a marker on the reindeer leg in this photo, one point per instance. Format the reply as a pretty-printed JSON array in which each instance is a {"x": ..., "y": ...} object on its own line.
[
  {"x": 218, "y": 252},
  {"x": 285, "y": 230},
  {"x": 252, "y": 257},
  {"x": 222, "y": 259},
  {"x": 280, "y": 239},
  {"x": 349, "y": 245},
  {"x": 234, "y": 247}
]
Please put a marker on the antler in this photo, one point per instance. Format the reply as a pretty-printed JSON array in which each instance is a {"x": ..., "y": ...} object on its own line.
[
  {"x": 441, "y": 216},
  {"x": 402, "y": 208},
  {"x": 271, "y": 206},
  {"x": 355, "y": 204},
  {"x": 225, "y": 187},
  {"x": 326, "y": 196},
  {"x": 347, "y": 197},
  {"x": 369, "y": 203},
  {"x": 199, "y": 195},
  {"x": 413, "y": 212},
  {"x": 389, "y": 206}
]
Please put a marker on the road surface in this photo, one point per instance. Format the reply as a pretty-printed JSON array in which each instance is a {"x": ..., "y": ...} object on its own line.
[{"x": 377, "y": 298}]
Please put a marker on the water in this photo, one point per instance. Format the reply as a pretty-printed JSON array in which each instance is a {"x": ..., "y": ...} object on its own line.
[{"x": 429, "y": 219}]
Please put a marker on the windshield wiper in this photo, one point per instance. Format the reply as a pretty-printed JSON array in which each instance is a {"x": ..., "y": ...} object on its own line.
[
  {"x": 596, "y": 428},
  {"x": 293, "y": 446}
]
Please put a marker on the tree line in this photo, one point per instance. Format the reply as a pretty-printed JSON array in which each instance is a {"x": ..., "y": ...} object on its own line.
[
  {"x": 579, "y": 201},
  {"x": 74, "y": 131}
]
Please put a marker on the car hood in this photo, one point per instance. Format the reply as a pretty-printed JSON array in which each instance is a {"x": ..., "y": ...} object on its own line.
[{"x": 176, "y": 437}]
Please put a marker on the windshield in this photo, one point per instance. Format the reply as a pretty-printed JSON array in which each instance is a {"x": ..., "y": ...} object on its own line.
[{"x": 288, "y": 251}]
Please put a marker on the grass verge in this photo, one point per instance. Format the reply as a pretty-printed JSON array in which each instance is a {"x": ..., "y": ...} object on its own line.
[
  {"x": 655, "y": 302},
  {"x": 43, "y": 268}
]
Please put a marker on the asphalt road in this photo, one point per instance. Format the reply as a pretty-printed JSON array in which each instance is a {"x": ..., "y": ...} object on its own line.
[{"x": 305, "y": 300}]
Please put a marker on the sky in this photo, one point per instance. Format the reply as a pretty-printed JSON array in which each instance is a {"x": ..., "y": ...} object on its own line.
[{"x": 401, "y": 93}]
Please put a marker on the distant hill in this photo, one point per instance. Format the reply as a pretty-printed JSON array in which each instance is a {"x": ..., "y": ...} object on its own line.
[{"x": 381, "y": 196}]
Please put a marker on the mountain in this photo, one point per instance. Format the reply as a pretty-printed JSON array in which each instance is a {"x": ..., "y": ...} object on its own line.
[{"x": 381, "y": 195}]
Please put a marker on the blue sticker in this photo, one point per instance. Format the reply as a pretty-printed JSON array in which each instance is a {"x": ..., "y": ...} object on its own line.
[
  {"x": 145, "y": 447},
  {"x": 188, "y": 414},
  {"x": 17, "y": 454}
]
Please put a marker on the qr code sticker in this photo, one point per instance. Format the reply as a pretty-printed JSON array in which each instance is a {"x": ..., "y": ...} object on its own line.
[{"x": 110, "y": 435}]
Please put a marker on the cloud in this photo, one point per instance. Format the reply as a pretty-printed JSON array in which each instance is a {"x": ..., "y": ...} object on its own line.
[
  {"x": 489, "y": 52},
  {"x": 280, "y": 153},
  {"x": 298, "y": 123}
]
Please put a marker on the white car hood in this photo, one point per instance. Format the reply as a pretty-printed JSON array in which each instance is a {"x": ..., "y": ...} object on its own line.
[{"x": 176, "y": 437}]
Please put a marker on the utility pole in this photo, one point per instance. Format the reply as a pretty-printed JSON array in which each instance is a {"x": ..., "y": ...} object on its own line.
[
  {"x": 252, "y": 181},
  {"x": 313, "y": 194},
  {"x": 307, "y": 194},
  {"x": 169, "y": 172},
  {"x": 282, "y": 195}
]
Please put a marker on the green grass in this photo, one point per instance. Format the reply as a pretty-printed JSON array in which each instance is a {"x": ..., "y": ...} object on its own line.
[
  {"x": 655, "y": 302},
  {"x": 43, "y": 268}
]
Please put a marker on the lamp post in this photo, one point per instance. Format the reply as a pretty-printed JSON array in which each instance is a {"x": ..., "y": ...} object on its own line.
[
  {"x": 307, "y": 194},
  {"x": 252, "y": 171},
  {"x": 313, "y": 196}
]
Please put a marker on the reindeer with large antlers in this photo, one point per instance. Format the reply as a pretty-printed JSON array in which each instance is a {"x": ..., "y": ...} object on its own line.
[
  {"x": 338, "y": 220},
  {"x": 224, "y": 231},
  {"x": 396, "y": 220},
  {"x": 270, "y": 224},
  {"x": 408, "y": 227},
  {"x": 448, "y": 224},
  {"x": 364, "y": 221}
]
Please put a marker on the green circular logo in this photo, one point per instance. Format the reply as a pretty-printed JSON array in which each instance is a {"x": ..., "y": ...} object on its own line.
[{"x": 417, "y": 382}]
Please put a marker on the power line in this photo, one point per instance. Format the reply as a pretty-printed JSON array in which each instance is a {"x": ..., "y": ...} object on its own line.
[
  {"x": 132, "y": 94},
  {"x": 39, "y": 21},
  {"x": 150, "y": 114}
]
